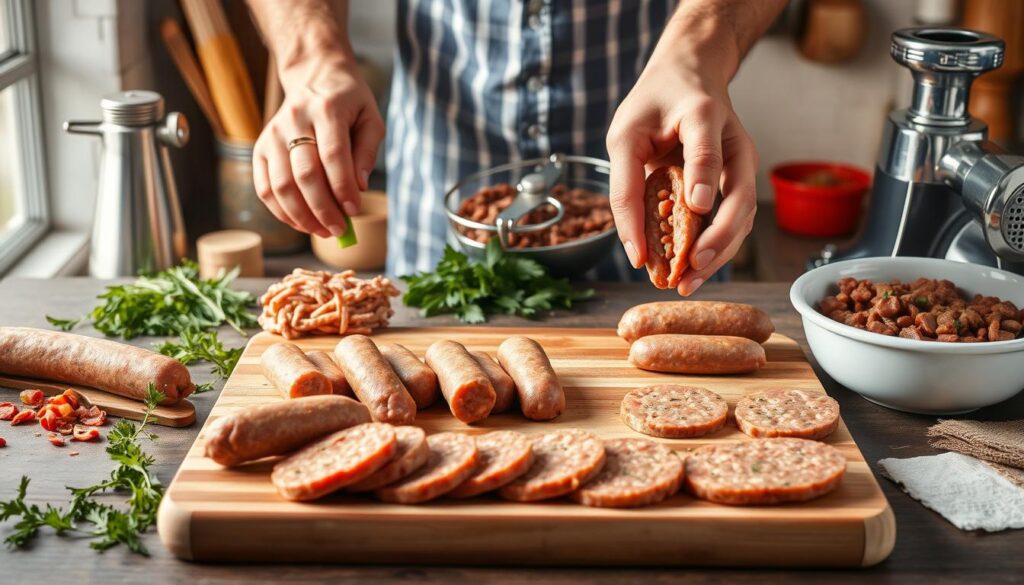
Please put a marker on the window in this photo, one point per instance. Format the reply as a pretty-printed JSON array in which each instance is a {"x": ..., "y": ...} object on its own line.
[{"x": 23, "y": 205}]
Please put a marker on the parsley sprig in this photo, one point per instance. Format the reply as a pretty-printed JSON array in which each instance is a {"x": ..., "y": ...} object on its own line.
[
  {"x": 195, "y": 345},
  {"x": 500, "y": 283},
  {"x": 105, "y": 525}
]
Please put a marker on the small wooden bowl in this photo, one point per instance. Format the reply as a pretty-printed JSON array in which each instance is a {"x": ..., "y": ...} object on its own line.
[{"x": 371, "y": 227}]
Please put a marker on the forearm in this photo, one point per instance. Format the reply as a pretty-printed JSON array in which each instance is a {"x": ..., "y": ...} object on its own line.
[
  {"x": 304, "y": 35},
  {"x": 722, "y": 29}
]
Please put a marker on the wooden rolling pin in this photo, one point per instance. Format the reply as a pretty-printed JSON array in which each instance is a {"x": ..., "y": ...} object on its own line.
[
  {"x": 992, "y": 92},
  {"x": 226, "y": 75},
  {"x": 185, "y": 60}
]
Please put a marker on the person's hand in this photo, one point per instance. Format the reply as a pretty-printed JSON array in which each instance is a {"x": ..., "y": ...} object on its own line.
[
  {"x": 679, "y": 110},
  {"x": 314, "y": 186}
]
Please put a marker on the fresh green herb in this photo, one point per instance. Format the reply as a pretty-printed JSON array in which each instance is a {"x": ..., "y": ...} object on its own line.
[
  {"x": 195, "y": 345},
  {"x": 921, "y": 302},
  {"x": 501, "y": 283},
  {"x": 959, "y": 326},
  {"x": 349, "y": 237},
  {"x": 169, "y": 302},
  {"x": 104, "y": 524},
  {"x": 756, "y": 467}
]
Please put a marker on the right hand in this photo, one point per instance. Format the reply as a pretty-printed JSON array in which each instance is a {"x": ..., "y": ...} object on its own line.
[{"x": 313, "y": 187}]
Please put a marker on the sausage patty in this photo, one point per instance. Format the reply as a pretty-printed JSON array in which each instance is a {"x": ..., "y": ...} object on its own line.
[
  {"x": 697, "y": 354},
  {"x": 335, "y": 461},
  {"x": 504, "y": 387},
  {"x": 764, "y": 471},
  {"x": 504, "y": 456},
  {"x": 373, "y": 380},
  {"x": 417, "y": 377},
  {"x": 787, "y": 413},
  {"x": 696, "y": 318},
  {"x": 540, "y": 393},
  {"x": 280, "y": 427},
  {"x": 464, "y": 384},
  {"x": 453, "y": 457},
  {"x": 673, "y": 412},
  {"x": 292, "y": 373},
  {"x": 563, "y": 460},
  {"x": 103, "y": 364},
  {"x": 637, "y": 472},
  {"x": 329, "y": 368},
  {"x": 412, "y": 453}
]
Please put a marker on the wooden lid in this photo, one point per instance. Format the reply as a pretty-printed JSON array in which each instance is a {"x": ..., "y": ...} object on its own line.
[{"x": 229, "y": 248}]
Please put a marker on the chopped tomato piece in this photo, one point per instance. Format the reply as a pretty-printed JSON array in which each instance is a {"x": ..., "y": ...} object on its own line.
[
  {"x": 73, "y": 398},
  {"x": 65, "y": 426},
  {"x": 48, "y": 420},
  {"x": 63, "y": 410},
  {"x": 8, "y": 410},
  {"x": 3, "y": 442},
  {"x": 23, "y": 416},
  {"x": 32, "y": 397},
  {"x": 85, "y": 434},
  {"x": 94, "y": 417},
  {"x": 59, "y": 399},
  {"x": 55, "y": 439}
]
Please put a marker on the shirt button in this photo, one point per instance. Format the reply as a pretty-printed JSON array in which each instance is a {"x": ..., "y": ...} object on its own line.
[
  {"x": 535, "y": 83},
  {"x": 534, "y": 130}
]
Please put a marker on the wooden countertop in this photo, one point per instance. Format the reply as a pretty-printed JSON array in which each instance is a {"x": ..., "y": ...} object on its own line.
[{"x": 927, "y": 549}]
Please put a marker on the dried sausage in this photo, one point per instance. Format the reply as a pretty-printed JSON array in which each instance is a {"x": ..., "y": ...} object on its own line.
[
  {"x": 292, "y": 373},
  {"x": 279, "y": 427},
  {"x": 338, "y": 460},
  {"x": 412, "y": 454},
  {"x": 787, "y": 413},
  {"x": 504, "y": 456},
  {"x": 541, "y": 396},
  {"x": 764, "y": 471},
  {"x": 670, "y": 227},
  {"x": 696, "y": 318},
  {"x": 637, "y": 472},
  {"x": 697, "y": 354},
  {"x": 107, "y": 365},
  {"x": 373, "y": 380},
  {"x": 504, "y": 387},
  {"x": 329, "y": 368},
  {"x": 563, "y": 460},
  {"x": 673, "y": 412},
  {"x": 417, "y": 377},
  {"x": 453, "y": 457},
  {"x": 464, "y": 384}
]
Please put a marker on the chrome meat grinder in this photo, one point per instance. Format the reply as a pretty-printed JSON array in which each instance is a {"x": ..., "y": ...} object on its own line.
[{"x": 940, "y": 188}]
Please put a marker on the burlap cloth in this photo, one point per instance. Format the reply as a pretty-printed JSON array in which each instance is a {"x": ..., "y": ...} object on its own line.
[{"x": 999, "y": 444}]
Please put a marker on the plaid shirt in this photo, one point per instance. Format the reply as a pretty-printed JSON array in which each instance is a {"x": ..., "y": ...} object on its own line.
[{"x": 487, "y": 82}]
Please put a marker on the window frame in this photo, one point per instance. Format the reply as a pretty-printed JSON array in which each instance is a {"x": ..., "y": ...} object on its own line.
[{"x": 19, "y": 72}]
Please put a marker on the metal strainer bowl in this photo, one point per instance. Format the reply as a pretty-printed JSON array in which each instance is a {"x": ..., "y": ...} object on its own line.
[{"x": 534, "y": 179}]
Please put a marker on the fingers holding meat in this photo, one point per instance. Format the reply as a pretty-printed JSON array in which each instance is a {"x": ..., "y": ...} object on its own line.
[{"x": 670, "y": 227}]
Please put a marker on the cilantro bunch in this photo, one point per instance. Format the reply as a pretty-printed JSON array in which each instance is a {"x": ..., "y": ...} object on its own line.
[{"x": 501, "y": 283}]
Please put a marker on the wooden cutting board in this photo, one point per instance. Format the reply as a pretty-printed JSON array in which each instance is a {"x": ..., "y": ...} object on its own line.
[{"x": 211, "y": 513}]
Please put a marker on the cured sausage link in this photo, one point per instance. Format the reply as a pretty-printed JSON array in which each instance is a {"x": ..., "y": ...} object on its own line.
[
  {"x": 695, "y": 318},
  {"x": 107, "y": 365},
  {"x": 292, "y": 373},
  {"x": 540, "y": 393},
  {"x": 465, "y": 386},
  {"x": 697, "y": 354},
  {"x": 417, "y": 377},
  {"x": 373, "y": 380},
  {"x": 279, "y": 427}
]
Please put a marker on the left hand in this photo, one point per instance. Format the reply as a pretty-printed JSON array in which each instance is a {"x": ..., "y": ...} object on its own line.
[{"x": 679, "y": 110}]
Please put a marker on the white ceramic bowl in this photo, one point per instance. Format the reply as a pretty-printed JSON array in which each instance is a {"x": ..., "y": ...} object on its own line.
[{"x": 925, "y": 377}]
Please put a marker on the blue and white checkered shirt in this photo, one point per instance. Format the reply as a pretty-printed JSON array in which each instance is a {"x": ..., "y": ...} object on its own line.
[{"x": 483, "y": 83}]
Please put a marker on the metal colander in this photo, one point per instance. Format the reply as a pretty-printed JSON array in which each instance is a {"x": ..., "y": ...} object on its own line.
[{"x": 1013, "y": 221}]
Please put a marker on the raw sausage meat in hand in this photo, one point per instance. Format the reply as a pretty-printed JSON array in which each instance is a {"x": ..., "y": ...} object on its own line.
[{"x": 670, "y": 227}]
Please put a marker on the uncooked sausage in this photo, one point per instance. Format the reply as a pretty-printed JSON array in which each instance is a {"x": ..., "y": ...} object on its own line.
[
  {"x": 373, "y": 380},
  {"x": 696, "y": 318},
  {"x": 328, "y": 367},
  {"x": 417, "y": 377},
  {"x": 465, "y": 386},
  {"x": 697, "y": 354},
  {"x": 291, "y": 372},
  {"x": 504, "y": 387},
  {"x": 106, "y": 365},
  {"x": 540, "y": 393}
]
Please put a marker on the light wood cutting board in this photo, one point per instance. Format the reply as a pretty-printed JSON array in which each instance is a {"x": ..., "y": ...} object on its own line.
[{"x": 211, "y": 513}]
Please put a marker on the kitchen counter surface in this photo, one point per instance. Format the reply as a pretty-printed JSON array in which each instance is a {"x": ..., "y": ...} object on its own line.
[{"x": 928, "y": 549}]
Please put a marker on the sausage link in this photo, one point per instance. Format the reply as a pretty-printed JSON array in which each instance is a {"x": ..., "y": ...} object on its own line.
[
  {"x": 103, "y": 364},
  {"x": 504, "y": 387},
  {"x": 696, "y": 318},
  {"x": 697, "y": 354},
  {"x": 540, "y": 393},
  {"x": 373, "y": 380},
  {"x": 280, "y": 427},
  {"x": 465, "y": 386},
  {"x": 418, "y": 378},
  {"x": 329, "y": 368},
  {"x": 291, "y": 372}
]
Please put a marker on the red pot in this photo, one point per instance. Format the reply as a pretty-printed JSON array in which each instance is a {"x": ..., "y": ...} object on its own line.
[{"x": 820, "y": 199}]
